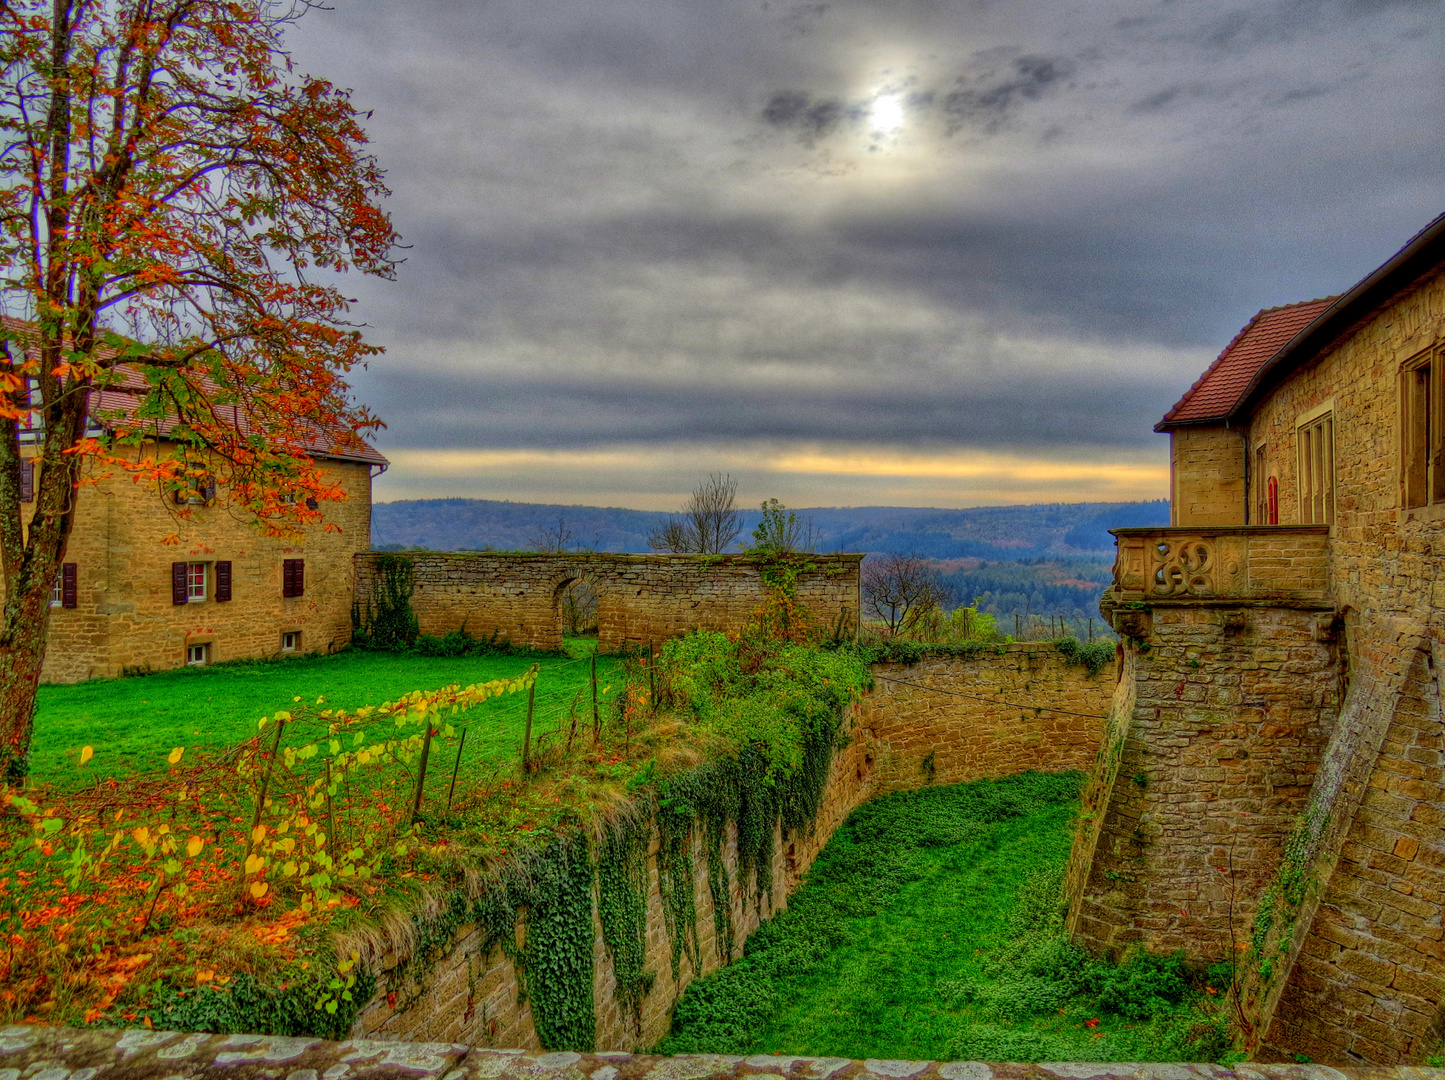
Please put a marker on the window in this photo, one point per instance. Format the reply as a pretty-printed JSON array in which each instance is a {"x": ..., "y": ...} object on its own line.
[
  {"x": 1260, "y": 483},
  {"x": 1315, "y": 438},
  {"x": 1422, "y": 473},
  {"x": 291, "y": 641},
  {"x": 64, "y": 593},
  {"x": 197, "y": 491},
  {"x": 293, "y": 577},
  {"x": 195, "y": 582},
  {"x": 198, "y": 655},
  {"x": 27, "y": 480}
]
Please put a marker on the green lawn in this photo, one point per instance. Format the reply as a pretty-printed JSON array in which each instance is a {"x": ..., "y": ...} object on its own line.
[
  {"x": 930, "y": 928},
  {"x": 134, "y": 723}
]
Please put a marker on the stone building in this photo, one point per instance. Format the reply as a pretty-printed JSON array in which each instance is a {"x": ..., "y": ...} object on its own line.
[
  {"x": 1271, "y": 787},
  {"x": 143, "y": 587}
]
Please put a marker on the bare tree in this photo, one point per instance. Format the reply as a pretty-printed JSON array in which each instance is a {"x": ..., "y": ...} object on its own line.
[
  {"x": 710, "y": 521},
  {"x": 902, "y": 591},
  {"x": 554, "y": 539}
]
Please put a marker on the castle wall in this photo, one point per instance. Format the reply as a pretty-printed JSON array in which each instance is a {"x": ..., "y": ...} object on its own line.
[
  {"x": 641, "y": 598},
  {"x": 473, "y": 999}
]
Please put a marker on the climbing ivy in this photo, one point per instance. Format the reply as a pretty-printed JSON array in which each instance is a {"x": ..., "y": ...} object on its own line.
[
  {"x": 622, "y": 907},
  {"x": 387, "y": 621},
  {"x": 774, "y": 712}
]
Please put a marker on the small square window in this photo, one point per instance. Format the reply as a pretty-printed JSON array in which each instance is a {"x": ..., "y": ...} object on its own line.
[
  {"x": 195, "y": 582},
  {"x": 291, "y": 641},
  {"x": 198, "y": 655},
  {"x": 57, "y": 592}
]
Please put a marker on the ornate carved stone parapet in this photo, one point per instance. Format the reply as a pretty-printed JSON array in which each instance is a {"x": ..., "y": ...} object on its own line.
[{"x": 1260, "y": 564}]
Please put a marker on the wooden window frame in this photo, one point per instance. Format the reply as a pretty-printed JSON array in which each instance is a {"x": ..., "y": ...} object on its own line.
[
  {"x": 198, "y": 655},
  {"x": 65, "y": 593},
  {"x": 295, "y": 646},
  {"x": 1422, "y": 429},
  {"x": 1315, "y": 482},
  {"x": 198, "y": 582}
]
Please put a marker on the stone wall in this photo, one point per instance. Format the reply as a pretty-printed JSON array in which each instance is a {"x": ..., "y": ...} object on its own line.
[
  {"x": 1208, "y": 476},
  {"x": 1207, "y": 768},
  {"x": 641, "y": 598},
  {"x": 473, "y": 999},
  {"x": 125, "y": 539},
  {"x": 110, "y": 1054},
  {"x": 1346, "y": 965},
  {"x": 948, "y": 720}
]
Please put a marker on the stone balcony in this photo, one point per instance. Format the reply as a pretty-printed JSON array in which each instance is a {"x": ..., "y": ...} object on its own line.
[{"x": 1245, "y": 565}]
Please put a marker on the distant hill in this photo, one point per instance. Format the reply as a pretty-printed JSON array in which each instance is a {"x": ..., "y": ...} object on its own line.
[{"x": 1008, "y": 533}]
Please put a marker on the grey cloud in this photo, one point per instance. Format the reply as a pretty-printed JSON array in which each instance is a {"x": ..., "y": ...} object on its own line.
[
  {"x": 450, "y": 412},
  {"x": 646, "y": 221},
  {"x": 990, "y": 103}
]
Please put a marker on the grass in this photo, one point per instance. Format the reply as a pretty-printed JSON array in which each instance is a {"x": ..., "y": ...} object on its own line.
[
  {"x": 134, "y": 723},
  {"x": 930, "y": 928}
]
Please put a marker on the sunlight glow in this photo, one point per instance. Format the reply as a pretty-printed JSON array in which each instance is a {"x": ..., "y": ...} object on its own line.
[{"x": 886, "y": 115}]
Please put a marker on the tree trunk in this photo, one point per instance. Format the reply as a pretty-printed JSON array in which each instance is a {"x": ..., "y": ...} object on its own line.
[{"x": 22, "y": 651}]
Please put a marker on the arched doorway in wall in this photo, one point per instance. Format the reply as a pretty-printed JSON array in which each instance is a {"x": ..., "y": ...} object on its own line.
[{"x": 575, "y": 603}]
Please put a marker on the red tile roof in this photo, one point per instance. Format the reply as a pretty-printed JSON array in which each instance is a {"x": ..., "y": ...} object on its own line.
[
  {"x": 1215, "y": 393},
  {"x": 120, "y": 397}
]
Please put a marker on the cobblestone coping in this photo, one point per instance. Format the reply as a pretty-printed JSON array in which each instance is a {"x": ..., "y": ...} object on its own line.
[{"x": 45, "y": 1053}]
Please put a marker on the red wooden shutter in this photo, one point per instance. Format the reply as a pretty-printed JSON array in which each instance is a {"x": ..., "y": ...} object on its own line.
[
  {"x": 178, "y": 583},
  {"x": 300, "y": 578},
  {"x": 68, "y": 592},
  {"x": 1273, "y": 501},
  {"x": 208, "y": 490},
  {"x": 223, "y": 581},
  {"x": 27, "y": 481}
]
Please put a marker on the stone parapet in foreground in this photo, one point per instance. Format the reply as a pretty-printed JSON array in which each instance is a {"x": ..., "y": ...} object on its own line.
[{"x": 45, "y": 1053}]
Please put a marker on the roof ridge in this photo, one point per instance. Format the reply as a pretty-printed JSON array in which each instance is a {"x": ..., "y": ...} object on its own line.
[{"x": 1224, "y": 354}]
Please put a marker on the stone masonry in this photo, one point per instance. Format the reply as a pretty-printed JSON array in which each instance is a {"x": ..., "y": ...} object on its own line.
[
  {"x": 641, "y": 598},
  {"x": 125, "y": 540},
  {"x": 1284, "y": 738},
  {"x": 967, "y": 734},
  {"x": 108, "y": 1054}
]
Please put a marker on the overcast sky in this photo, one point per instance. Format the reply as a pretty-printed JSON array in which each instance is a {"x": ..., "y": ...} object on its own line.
[{"x": 914, "y": 252}]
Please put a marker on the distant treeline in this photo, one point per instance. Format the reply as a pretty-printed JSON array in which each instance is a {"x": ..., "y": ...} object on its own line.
[
  {"x": 1069, "y": 587},
  {"x": 996, "y": 533}
]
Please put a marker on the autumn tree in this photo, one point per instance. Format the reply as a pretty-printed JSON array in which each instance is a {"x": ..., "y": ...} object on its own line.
[{"x": 175, "y": 202}]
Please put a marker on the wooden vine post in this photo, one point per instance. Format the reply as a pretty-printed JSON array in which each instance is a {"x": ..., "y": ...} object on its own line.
[
  {"x": 421, "y": 770},
  {"x": 596, "y": 722},
  {"x": 527, "y": 738},
  {"x": 252, "y": 840},
  {"x": 452, "y": 789}
]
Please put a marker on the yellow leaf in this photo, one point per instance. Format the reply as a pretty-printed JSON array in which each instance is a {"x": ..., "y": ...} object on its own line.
[
  {"x": 258, "y": 834},
  {"x": 176, "y": 754},
  {"x": 86, "y": 753},
  {"x": 254, "y": 863},
  {"x": 193, "y": 847},
  {"x": 258, "y": 889},
  {"x": 142, "y": 836}
]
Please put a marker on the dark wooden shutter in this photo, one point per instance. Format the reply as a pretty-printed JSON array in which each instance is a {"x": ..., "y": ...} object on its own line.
[
  {"x": 178, "y": 583},
  {"x": 311, "y": 503},
  {"x": 68, "y": 591},
  {"x": 27, "y": 481},
  {"x": 208, "y": 490},
  {"x": 293, "y": 577},
  {"x": 223, "y": 581}
]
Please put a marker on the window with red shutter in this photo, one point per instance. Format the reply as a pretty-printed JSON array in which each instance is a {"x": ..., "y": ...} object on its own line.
[
  {"x": 293, "y": 577},
  {"x": 179, "y": 582},
  {"x": 223, "y": 581},
  {"x": 69, "y": 593},
  {"x": 27, "y": 481}
]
